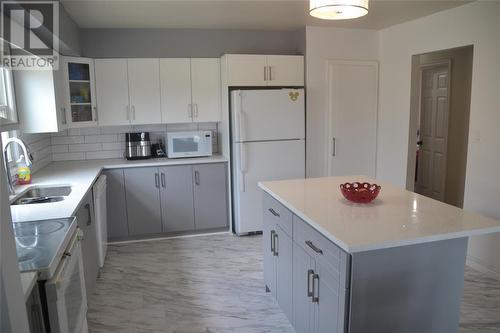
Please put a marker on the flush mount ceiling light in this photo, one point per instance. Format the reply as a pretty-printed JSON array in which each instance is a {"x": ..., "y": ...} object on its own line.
[{"x": 338, "y": 9}]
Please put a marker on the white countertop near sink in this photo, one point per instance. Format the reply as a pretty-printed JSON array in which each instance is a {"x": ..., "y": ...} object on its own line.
[
  {"x": 80, "y": 175},
  {"x": 396, "y": 218}
]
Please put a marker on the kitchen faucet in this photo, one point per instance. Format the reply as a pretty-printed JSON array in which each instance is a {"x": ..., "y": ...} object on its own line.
[{"x": 27, "y": 157}]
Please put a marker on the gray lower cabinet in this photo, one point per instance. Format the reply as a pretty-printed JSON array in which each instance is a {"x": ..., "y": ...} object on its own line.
[
  {"x": 210, "y": 196},
  {"x": 303, "y": 308},
  {"x": 116, "y": 204},
  {"x": 178, "y": 198},
  {"x": 305, "y": 272},
  {"x": 177, "y": 202},
  {"x": 143, "y": 201},
  {"x": 86, "y": 222},
  {"x": 278, "y": 262}
]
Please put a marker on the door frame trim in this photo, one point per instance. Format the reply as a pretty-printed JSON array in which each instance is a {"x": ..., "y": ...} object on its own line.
[{"x": 329, "y": 135}]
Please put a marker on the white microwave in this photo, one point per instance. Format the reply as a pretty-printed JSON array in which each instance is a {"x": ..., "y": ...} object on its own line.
[{"x": 189, "y": 144}]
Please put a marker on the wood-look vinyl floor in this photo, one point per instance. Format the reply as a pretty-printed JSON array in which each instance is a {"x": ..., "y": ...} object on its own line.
[{"x": 215, "y": 284}]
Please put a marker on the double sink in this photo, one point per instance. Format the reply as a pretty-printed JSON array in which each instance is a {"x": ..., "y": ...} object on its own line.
[{"x": 42, "y": 194}]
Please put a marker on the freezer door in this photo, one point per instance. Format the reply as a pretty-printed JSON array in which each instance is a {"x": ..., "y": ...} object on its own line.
[
  {"x": 273, "y": 114},
  {"x": 261, "y": 161}
]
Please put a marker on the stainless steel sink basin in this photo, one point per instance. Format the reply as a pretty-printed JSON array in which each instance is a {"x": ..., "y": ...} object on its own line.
[{"x": 43, "y": 194}]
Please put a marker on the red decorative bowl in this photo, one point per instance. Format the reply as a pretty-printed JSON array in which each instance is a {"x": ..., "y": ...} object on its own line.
[{"x": 360, "y": 192}]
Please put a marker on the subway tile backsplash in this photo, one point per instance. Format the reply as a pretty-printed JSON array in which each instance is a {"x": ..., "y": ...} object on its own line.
[{"x": 109, "y": 142}]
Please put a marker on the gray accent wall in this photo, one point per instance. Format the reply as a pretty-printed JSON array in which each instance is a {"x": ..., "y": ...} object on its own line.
[
  {"x": 69, "y": 34},
  {"x": 171, "y": 43}
]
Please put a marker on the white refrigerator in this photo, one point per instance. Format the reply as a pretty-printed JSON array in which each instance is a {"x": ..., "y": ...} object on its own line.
[{"x": 268, "y": 143}]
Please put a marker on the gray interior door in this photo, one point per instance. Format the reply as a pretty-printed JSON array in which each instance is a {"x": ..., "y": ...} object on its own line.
[
  {"x": 303, "y": 308},
  {"x": 269, "y": 261},
  {"x": 210, "y": 196},
  {"x": 142, "y": 189},
  {"x": 116, "y": 204},
  {"x": 86, "y": 222},
  {"x": 177, "y": 206},
  {"x": 283, "y": 249}
]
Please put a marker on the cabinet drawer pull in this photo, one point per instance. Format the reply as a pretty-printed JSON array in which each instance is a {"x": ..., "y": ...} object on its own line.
[
  {"x": 89, "y": 214},
  {"x": 310, "y": 273},
  {"x": 272, "y": 241},
  {"x": 315, "y": 287},
  {"x": 315, "y": 249},
  {"x": 276, "y": 244},
  {"x": 275, "y": 213},
  {"x": 157, "y": 181}
]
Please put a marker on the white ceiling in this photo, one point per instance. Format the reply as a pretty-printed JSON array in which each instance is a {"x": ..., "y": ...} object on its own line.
[{"x": 238, "y": 14}]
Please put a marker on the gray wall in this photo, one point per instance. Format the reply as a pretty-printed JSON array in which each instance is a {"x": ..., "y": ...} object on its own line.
[
  {"x": 136, "y": 43},
  {"x": 69, "y": 35}
]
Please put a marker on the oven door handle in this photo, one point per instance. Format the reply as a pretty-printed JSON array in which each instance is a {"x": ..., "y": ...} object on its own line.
[{"x": 68, "y": 255}]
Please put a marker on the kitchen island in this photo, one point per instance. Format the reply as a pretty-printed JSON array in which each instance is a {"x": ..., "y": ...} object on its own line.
[{"x": 394, "y": 265}]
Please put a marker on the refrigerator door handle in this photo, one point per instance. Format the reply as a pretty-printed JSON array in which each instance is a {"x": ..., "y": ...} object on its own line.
[
  {"x": 243, "y": 166},
  {"x": 241, "y": 119}
]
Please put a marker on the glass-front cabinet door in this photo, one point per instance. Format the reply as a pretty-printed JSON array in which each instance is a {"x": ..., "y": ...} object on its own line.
[{"x": 80, "y": 91}]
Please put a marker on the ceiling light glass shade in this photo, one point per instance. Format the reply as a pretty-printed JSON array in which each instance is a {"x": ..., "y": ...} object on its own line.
[{"x": 338, "y": 9}]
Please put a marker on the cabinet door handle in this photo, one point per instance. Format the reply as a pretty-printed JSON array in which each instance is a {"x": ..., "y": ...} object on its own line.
[
  {"x": 133, "y": 112},
  {"x": 334, "y": 147},
  {"x": 64, "y": 119},
  {"x": 96, "y": 113},
  {"x": 265, "y": 73},
  {"x": 315, "y": 287},
  {"x": 89, "y": 215},
  {"x": 197, "y": 177},
  {"x": 127, "y": 109},
  {"x": 157, "y": 180},
  {"x": 270, "y": 73},
  {"x": 163, "y": 180},
  {"x": 272, "y": 241},
  {"x": 276, "y": 243},
  {"x": 310, "y": 273},
  {"x": 275, "y": 213},
  {"x": 315, "y": 249}
]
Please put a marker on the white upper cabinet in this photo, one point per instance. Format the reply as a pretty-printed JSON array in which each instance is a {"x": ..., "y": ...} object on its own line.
[
  {"x": 285, "y": 70},
  {"x": 175, "y": 77},
  {"x": 40, "y": 100},
  {"x": 79, "y": 91},
  {"x": 205, "y": 89},
  {"x": 264, "y": 70},
  {"x": 112, "y": 92},
  {"x": 128, "y": 91},
  {"x": 246, "y": 70},
  {"x": 190, "y": 90},
  {"x": 144, "y": 91}
]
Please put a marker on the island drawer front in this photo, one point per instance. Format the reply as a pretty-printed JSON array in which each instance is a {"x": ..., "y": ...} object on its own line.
[
  {"x": 321, "y": 249},
  {"x": 275, "y": 212}
]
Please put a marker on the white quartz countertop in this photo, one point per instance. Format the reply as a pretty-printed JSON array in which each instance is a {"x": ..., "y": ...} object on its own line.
[
  {"x": 396, "y": 218},
  {"x": 81, "y": 175}
]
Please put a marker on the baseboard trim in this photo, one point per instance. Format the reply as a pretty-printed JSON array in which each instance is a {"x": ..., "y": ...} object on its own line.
[
  {"x": 482, "y": 267},
  {"x": 169, "y": 237}
]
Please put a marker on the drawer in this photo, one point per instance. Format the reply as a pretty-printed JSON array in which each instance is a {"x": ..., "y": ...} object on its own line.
[
  {"x": 321, "y": 249},
  {"x": 276, "y": 213}
]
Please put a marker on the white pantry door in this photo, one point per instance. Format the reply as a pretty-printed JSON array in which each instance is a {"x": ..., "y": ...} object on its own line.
[
  {"x": 352, "y": 117},
  {"x": 434, "y": 113}
]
